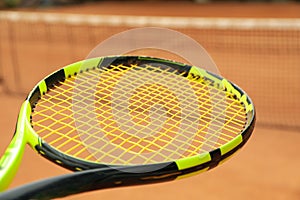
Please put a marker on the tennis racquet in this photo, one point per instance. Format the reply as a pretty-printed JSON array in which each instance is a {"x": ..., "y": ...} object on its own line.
[{"x": 127, "y": 120}]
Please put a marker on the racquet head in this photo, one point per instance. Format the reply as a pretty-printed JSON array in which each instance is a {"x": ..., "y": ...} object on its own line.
[{"x": 138, "y": 115}]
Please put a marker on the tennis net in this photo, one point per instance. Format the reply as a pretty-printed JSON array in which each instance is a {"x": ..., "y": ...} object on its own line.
[{"x": 260, "y": 55}]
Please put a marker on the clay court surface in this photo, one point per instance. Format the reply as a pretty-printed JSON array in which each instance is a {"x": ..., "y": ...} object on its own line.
[{"x": 266, "y": 168}]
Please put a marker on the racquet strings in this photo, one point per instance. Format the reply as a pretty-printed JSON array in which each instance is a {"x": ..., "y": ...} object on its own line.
[{"x": 136, "y": 115}]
